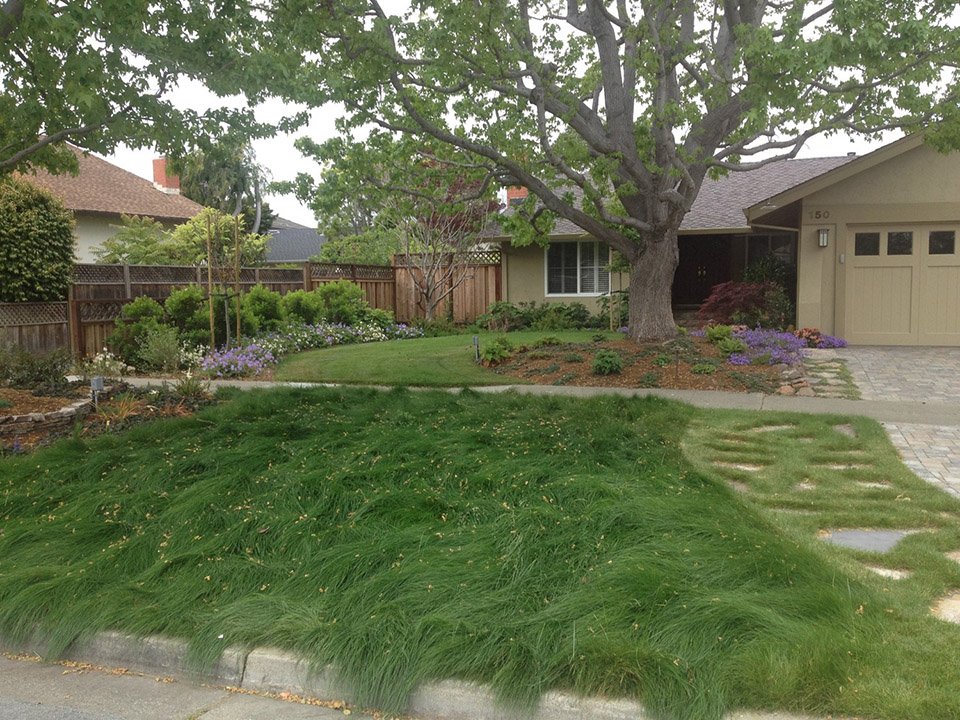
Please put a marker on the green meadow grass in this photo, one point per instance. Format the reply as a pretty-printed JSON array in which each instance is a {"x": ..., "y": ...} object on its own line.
[
  {"x": 529, "y": 543},
  {"x": 446, "y": 361}
]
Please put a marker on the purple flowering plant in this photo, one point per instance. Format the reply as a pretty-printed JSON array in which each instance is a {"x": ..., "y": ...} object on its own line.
[{"x": 256, "y": 355}]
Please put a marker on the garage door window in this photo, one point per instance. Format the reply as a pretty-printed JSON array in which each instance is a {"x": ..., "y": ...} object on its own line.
[
  {"x": 867, "y": 243},
  {"x": 900, "y": 243},
  {"x": 942, "y": 242}
]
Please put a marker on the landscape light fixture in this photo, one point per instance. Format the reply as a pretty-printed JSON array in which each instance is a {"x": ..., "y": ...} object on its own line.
[{"x": 823, "y": 237}]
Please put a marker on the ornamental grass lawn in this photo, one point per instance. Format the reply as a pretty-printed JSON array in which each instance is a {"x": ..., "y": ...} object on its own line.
[
  {"x": 528, "y": 543},
  {"x": 446, "y": 361}
]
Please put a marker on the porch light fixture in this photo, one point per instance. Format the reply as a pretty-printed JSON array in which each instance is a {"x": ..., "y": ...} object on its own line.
[{"x": 823, "y": 237}]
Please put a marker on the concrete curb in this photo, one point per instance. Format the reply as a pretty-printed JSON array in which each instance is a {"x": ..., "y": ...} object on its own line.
[{"x": 274, "y": 671}]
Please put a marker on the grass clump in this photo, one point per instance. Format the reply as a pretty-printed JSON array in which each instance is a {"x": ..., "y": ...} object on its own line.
[{"x": 529, "y": 543}]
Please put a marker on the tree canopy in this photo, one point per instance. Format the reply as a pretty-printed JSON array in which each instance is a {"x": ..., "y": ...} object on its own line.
[
  {"x": 36, "y": 243},
  {"x": 144, "y": 241},
  {"x": 100, "y": 73},
  {"x": 613, "y": 114},
  {"x": 226, "y": 176}
]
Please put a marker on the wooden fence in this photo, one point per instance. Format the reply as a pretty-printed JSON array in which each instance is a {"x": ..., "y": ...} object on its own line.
[{"x": 99, "y": 292}]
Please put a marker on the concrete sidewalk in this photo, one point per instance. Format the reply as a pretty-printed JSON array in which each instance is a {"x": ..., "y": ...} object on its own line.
[
  {"x": 144, "y": 679},
  {"x": 881, "y": 410}
]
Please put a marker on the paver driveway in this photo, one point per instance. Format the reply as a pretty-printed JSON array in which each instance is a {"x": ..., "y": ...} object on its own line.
[{"x": 911, "y": 374}]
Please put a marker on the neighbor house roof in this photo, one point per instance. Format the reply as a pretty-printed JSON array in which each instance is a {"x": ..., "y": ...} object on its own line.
[
  {"x": 104, "y": 189},
  {"x": 292, "y": 242},
  {"x": 721, "y": 204}
]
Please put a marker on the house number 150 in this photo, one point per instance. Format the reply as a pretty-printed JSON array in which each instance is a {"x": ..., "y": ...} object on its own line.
[{"x": 819, "y": 214}]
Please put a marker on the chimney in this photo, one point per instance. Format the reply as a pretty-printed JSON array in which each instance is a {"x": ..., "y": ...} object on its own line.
[
  {"x": 170, "y": 184},
  {"x": 516, "y": 195}
]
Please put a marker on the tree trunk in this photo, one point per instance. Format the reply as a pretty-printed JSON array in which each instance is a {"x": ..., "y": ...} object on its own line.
[{"x": 651, "y": 285}]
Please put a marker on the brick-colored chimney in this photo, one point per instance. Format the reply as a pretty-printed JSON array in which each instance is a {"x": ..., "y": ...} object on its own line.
[
  {"x": 516, "y": 194},
  {"x": 169, "y": 184}
]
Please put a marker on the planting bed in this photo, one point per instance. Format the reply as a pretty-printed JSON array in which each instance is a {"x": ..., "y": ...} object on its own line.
[{"x": 664, "y": 365}]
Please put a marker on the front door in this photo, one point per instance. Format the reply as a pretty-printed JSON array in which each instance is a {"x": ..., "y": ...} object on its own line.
[{"x": 704, "y": 262}]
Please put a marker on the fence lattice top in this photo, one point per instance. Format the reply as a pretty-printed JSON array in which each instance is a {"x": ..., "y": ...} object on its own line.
[
  {"x": 41, "y": 313},
  {"x": 348, "y": 271}
]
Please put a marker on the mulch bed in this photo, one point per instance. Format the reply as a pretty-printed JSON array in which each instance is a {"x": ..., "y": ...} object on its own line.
[{"x": 665, "y": 365}]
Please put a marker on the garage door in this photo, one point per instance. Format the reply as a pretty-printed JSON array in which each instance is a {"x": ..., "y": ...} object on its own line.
[{"x": 903, "y": 286}]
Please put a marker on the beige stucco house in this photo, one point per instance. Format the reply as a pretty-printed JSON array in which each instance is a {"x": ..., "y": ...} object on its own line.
[
  {"x": 873, "y": 240},
  {"x": 101, "y": 192}
]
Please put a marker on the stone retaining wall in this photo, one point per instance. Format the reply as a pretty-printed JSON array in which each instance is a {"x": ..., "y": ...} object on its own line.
[{"x": 15, "y": 425}]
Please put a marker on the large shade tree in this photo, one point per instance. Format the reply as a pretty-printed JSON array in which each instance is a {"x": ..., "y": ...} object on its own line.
[
  {"x": 614, "y": 113},
  {"x": 101, "y": 73}
]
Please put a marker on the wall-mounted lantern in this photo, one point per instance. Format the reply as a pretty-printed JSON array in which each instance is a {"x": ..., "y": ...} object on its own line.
[{"x": 823, "y": 237}]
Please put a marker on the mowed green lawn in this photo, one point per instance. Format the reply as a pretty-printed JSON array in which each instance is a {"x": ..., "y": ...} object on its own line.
[
  {"x": 426, "y": 362},
  {"x": 529, "y": 543}
]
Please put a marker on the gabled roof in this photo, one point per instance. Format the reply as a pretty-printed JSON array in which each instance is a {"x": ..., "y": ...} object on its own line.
[
  {"x": 292, "y": 242},
  {"x": 722, "y": 203},
  {"x": 102, "y": 188},
  {"x": 816, "y": 183}
]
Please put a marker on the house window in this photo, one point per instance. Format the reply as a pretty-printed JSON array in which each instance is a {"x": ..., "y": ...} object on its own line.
[
  {"x": 866, "y": 243},
  {"x": 900, "y": 243},
  {"x": 942, "y": 242},
  {"x": 577, "y": 268}
]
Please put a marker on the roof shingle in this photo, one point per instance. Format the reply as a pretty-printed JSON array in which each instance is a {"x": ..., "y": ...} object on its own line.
[
  {"x": 721, "y": 202},
  {"x": 105, "y": 189}
]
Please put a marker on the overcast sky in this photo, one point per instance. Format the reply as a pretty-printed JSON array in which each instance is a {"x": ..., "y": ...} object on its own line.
[{"x": 283, "y": 161}]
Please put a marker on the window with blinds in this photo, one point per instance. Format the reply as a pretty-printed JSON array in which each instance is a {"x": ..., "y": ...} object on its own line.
[{"x": 577, "y": 268}]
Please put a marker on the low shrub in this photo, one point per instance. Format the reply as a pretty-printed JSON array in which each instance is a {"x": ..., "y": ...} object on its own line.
[
  {"x": 662, "y": 360},
  {"x": 104, "y": 363},
  {"x": 754, "y": 304},
  {"x": 160, "y": 349},
  {"x": 716, "y": 333},
  {"x": 548, "y": 341},
  {"x": 496, "y": 351},
  {"x": 44, "y": 373},
  {"x": 703, "y": 368},
  {"x": 302, "y": 306},
  {"x": 730, "y": 345},
  {"x": 606, "y": 362},
  {"x": 136, "y": 320},
  {"x": 265, "y": 305},
  {"x": 816, "y": 339},
  {"x": 649, "y": 379},
  {"x": 343, "y": 302}
]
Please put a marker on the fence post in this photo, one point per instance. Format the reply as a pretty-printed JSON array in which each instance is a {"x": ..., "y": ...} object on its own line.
[
  {"x": 127, "y": 291},
  {"x": 307, "y": 276},
  {"x": 73, "y": 322},
  {"x": 393, "y": 268},
  {"x": 256, "y": 276},
  {"x": 199, "y": 277}
]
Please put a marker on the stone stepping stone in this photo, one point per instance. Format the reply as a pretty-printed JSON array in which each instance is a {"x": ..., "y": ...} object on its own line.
[
  {"x": 954, "y": 555},
  {"x": 738, "y": 466},
  {"x": 845, "y": 466},
  {"x": 890, "y": 573},
  {"x": 882, "y": 485},
  {"x": 805, "y": 485},
  {"x": 738, "y": 486},
  {"x": 793, "y": 511},
  {"x": 948, "y": 608},
  {"x": 881, "y": 541},
  {"x": 772, "y": 428},
  {"x": 846, "y": 430}
]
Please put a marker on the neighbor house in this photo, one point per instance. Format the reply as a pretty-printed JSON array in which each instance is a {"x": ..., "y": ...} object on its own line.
[
  {"x": 101, "y": 192},
  {"x": 292, "y": 242},
  {"x": 873, "y": 240}
]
